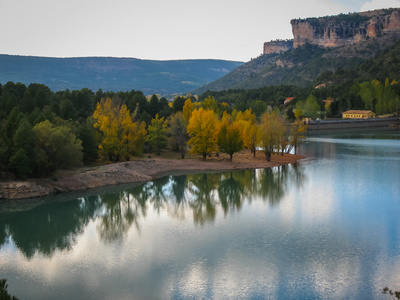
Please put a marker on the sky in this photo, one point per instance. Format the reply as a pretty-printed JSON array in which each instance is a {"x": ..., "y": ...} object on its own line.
[{"x": 158, "y": 29}]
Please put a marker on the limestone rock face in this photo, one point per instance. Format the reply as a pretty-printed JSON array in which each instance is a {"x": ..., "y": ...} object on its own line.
[
  {"x": 343, "y": 30},
  {"x": 277, "y": 46}
]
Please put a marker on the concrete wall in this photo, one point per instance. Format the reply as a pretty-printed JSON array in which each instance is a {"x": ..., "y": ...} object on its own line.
[{"x": 348, "y": 124}]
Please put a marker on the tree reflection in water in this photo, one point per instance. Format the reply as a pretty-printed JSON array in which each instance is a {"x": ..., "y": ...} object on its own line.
[
  {"x": 231, "y": 193},
  {"x": 119, "y": 214},
  {"x": 202, "y": 188},
  {"x": 48, "y": 227},
  {"x": 56, "y": 225}
]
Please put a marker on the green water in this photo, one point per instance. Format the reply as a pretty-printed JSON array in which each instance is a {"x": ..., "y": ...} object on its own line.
[{"x": 327, "y": 227}]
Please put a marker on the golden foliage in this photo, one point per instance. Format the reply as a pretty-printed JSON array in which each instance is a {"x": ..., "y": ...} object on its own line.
[
  {"x": 272, "y": 130},
  {"x": 187, "y": 109},
  {"x": 120, "y": 137},
  {"x": 202, "y": 129}
]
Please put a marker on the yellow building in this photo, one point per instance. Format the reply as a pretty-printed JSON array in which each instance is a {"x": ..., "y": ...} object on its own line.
[{"x": 358, "y": 114}]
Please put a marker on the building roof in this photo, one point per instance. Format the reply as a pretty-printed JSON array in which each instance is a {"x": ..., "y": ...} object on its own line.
[
  {"x": 360, "y": 112},
  {"x": 287, "y": 100}
]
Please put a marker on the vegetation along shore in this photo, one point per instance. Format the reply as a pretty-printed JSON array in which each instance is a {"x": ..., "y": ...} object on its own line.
[
  {"x": 137, "y": 171},
  {"x": 107, "y": 138}
]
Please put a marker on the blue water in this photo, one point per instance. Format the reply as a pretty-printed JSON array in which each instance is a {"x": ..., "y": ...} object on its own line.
[{"x": 327, "y": 228}]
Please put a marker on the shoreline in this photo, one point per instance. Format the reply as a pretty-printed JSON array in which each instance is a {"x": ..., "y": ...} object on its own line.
[{"x": 137, "y": 171}]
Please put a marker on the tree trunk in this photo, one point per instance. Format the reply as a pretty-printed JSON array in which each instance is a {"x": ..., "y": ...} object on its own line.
[
  {"x": 254, "y": 152},
  {"x": 231, "y": 155},
  {"x": 182, "y": 151},
  {"x": 204, "y": 156},
  {"x": 268, "y": 155}
]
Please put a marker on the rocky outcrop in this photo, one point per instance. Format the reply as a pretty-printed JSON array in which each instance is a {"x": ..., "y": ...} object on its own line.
[
  {"x": 343, "y": 30},
  {"x": 278, "y": 46}
]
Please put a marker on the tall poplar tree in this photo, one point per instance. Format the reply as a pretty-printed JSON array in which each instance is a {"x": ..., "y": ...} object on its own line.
[
  {"x": 157, "y": 136},
  {"x": 202, "y": 129}
]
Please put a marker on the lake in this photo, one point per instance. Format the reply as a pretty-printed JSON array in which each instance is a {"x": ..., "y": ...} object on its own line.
[{"x": 327, "y": 227}]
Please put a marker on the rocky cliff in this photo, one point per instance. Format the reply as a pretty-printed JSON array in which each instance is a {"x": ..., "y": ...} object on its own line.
[
  {"x": 278, "y": 46},
  {"x": 336, "y": 31}
]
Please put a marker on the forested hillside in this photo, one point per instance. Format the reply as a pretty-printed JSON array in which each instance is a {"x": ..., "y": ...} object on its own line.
[
  {"x": 372, "y": 85},
  {"x": 113, "y": 74},
  {"x": 300, "y": 66}
]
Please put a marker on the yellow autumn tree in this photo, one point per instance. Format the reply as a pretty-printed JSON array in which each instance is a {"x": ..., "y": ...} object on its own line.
[
  {"x": 229, "y": 138},
  {"x": 202, "y": 129},
  {"x": 119, "y": 136},
  {"x": 270, "y": 133},
  {"x": 187, "y": 109},
  {"x": 248, "y": 126},
  {"x": 297, "y": 132},
  {"x": 210, "y": 103}
]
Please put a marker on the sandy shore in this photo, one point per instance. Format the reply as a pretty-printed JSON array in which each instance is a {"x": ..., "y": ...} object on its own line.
[{"x": 137, "y": 171}]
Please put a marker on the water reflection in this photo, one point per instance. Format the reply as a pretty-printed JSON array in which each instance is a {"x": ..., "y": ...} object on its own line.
[
  {"x": 56, "y": 225},
  {"x": 119, "y": 215},
  {"x": 48, "y": 227}
]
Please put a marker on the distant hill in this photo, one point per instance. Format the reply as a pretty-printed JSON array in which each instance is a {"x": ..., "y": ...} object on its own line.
[
  {"x": 320, "y": 45},
  {"x": 114, "y": 74}
]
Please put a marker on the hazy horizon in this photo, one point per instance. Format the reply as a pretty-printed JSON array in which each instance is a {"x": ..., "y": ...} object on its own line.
[{"x": 158, "y": 30}]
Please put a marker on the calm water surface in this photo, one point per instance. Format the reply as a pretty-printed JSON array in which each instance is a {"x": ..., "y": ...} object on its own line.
[{"x": 327, "y": 228}]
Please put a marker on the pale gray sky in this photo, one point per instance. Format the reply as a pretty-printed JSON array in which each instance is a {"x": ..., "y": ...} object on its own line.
[{"x": 158, "y": 29}]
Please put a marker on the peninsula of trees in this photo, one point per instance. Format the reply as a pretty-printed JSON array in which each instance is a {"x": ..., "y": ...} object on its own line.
[{"x": 42, "y": 131}]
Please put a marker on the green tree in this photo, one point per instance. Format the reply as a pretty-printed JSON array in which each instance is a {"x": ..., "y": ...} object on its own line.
[
  {"x": 137, "y": 102},
  {"x": 4, "y": 295},
  {"x": 259, "y": 107},
  {"x": 311, "y": 107},
  {"x": 178, "y": 132},
  {"x": 230, "y": 139},
  {"x": 154, "y": 106},
  {"x": 4, "y": 150},
  {"x": 67, "y": 109},
  {"x": 178, "y": 103},
  {"x": 12, "y": 123},
  {"x": 11, "y": 96},
  {"x": 24, "y": 139},
  {"x": 157, "y": 136},
  {"x": 19, "y": 163},
  {"x": 211, "y": 104},
  {"x": 87, "y": 134},
  {"x": 165, "y": 110},
  {"x": 57, "y": 148}
]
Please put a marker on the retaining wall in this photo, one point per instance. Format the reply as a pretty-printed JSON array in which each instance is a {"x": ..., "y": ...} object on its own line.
[{"x": 348, "y": 124}]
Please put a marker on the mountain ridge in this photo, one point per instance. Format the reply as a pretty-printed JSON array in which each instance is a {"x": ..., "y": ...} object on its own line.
[
  {"x": 114, "y": 73},
  {"x": 302, "y": 62}
]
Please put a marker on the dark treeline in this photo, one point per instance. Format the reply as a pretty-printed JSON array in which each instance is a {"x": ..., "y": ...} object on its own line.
[
  {"x": 42, "y": 131},
  {"x": 368, "y": 85},
  {"x": 332, "y": 99}
]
